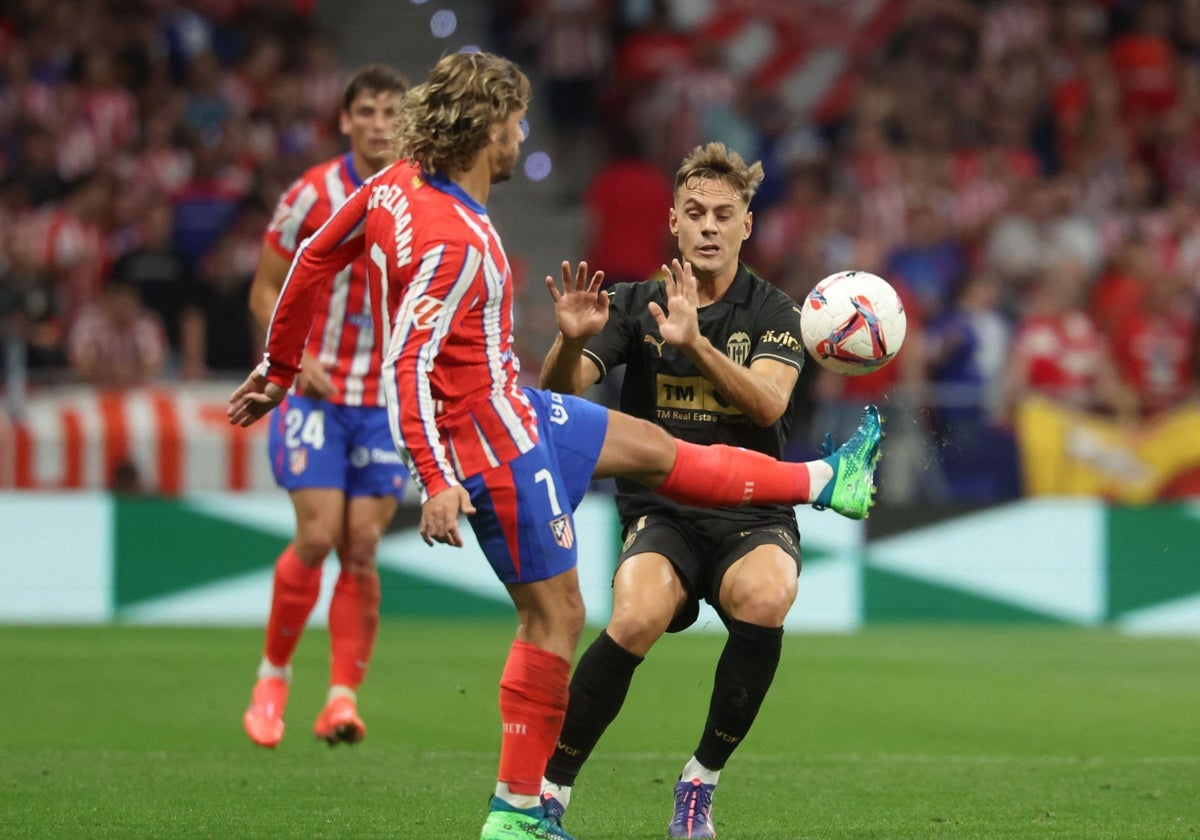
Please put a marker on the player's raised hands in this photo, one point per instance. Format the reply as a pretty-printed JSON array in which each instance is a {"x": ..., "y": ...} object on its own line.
[
  {"x": 580, "y": 308},
  {"x": 254, "y": 398},
  {"x": 679, "y": 326}
]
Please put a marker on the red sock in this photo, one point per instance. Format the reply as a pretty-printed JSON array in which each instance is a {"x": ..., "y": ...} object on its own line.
[
  {"x": 723, "y": 476},
  {"x": 353, "y": 626},
  {"x": 292, "y": 599},
  {"x": 533, "y": 703}
]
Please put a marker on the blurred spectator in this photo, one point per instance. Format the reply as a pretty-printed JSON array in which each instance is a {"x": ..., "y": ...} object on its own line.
[
  {"x": 1058, "y": 352},
  {"x": 165, "y": 283},
  {"x": 108, "y": 108},
  {"x": 205, "y": 206},
  {"x": 160, "y": 164},
  {"x": 1152, "y": 343},
  {"x": 1144, "y": 64},
  {"x": 572, "y": 56},
  {"x": 930, "y": 262},
  {"x": 116, "y": 342},
  {"x": 27, "y": 300},
  {"x": 625, "y": 206},
  {"x": 69, "y": 244},
  {"x": 35, "y": 166},
  {"x": 230, "y": 340},
  {"x": 207, "y": 105},
  {"x": 966, "y": 348}
]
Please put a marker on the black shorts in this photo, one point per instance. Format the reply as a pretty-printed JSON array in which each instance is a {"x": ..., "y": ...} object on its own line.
[{"x": 702, "y": 552}]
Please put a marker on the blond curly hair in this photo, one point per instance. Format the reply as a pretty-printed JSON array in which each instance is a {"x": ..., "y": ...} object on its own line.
[{"x": 444, "y": 121}]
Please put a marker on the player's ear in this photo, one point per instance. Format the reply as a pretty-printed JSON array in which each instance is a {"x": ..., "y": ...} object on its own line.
[
  {"x": 344, "y": 122},
  {"x": 749, "y": 225},
  {"x": 673, "y": 221}
]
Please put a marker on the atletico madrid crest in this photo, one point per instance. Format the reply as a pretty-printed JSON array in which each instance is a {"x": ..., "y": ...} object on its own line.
[
  {"x": 297, "y": 460},
  {"x": 564, "y": 534}
]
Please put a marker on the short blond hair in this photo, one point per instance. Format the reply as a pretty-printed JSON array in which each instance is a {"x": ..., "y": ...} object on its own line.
[
  {"x": 714, "y": 162},
  {"x": 444, "y": 121}
]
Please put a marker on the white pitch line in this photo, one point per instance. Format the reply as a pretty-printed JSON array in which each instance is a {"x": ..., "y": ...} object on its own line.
[{"x": 889, "y": 758}]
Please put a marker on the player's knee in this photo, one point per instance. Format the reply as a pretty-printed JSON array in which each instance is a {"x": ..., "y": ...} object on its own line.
[
  {"x": 764, "y": 606},
  {"x": 637, "y": 630},
  {"x": 314, "y": 541},
  {"x": 648, "y": 445},
  {"x": 357, "y": 553}
]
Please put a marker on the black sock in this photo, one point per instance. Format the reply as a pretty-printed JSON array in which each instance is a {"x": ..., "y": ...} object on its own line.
[
  {"x": 744, "y": 673},
  {"x": 598, "y": 690}
]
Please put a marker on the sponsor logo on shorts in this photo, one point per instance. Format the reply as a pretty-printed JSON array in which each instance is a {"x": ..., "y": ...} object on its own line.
[
  {"x": 386, "y": 456},
  {"x": 564, "y": 534},
  {"x": 298, "y": 460},
  {"x": 632, "y": 534},
  {"x": 360, "y": 457},
  {"x": 558, "y": 411}
]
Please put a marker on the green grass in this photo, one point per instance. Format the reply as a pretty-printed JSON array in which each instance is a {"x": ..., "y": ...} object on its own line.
[{"x": 901, "y": 732}]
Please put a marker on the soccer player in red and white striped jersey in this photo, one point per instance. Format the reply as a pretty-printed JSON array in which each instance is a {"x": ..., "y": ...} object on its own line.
[
  {"x": 330, "y": 444},
  {"x": 516, "y": 461}
]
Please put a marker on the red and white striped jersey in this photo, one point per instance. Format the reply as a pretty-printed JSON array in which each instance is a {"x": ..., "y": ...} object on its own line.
[
  {"x": 74, "y": 252},
  {"x": 345, "y": 327},
  {"x": 455, "y": 404}
]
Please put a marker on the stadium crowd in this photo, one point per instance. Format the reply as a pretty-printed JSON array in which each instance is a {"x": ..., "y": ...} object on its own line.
[
  {"x": 1024, "y": 171},
  {"x": 142, "y": 145}
]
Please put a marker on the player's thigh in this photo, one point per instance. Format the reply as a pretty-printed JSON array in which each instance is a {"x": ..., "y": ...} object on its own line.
[
  {"x": 636, "y": 449},
  {"x": 647, "y": 595},
  {"x": 651, "y": 598},
  {"x": 759, "y": 586},
  {"x": 575, "y": 430},
  {"x": 523, "y": 519},
  {"x": 319, "y": 519},
  {"x": 366, "y": 520}
]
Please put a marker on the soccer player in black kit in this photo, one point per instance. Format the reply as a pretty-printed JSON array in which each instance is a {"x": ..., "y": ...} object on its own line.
[{"x": 726, "y": 375}]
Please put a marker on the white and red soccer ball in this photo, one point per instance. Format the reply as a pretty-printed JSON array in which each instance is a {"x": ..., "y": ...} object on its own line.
[{"x": 853, "y": 322}]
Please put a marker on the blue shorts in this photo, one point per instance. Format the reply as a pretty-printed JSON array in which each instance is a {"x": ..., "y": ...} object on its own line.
[
  {"x": 314, "y": 443},
  {"x": 524, "y": 509}
]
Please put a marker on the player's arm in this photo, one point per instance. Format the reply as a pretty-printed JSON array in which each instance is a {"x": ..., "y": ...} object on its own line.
[
  {"x": 269, "y": 278},
  {"x": 760, "y": 391},
  {"x": 581, "y": 311},
  {"x": 320, "y": 257}
]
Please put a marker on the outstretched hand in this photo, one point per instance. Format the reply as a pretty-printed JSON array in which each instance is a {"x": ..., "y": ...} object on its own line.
[
  {"x": 439, "y": 516},
  {"x": 580, "y": 308},
  {"x": 253, "y": 399},
  {"x": 679, "y": 326}
]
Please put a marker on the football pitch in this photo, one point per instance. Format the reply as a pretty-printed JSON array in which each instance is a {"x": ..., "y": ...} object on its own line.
[{"x": 894, "y": 732}]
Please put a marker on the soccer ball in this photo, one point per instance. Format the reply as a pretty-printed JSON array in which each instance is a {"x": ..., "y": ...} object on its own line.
[{"x": 853, "y": 322}]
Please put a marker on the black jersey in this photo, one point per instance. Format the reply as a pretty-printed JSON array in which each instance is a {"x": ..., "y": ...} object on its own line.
[{"x": 753, "y": 320}]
